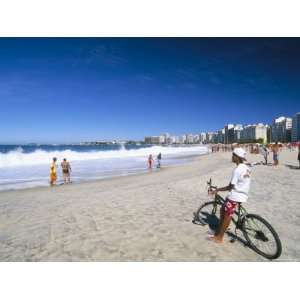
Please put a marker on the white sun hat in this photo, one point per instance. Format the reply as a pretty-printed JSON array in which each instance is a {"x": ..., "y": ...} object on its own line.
[{"x": 240, "y": 152}]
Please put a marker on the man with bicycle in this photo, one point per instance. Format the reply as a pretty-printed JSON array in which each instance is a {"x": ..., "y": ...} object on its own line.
[{"x": 238, "y": 192}]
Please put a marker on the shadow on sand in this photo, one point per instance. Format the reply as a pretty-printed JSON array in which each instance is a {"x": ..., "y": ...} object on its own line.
[
  {"x": 292, "y": 167},
  {"x": 213, "y": 223}
]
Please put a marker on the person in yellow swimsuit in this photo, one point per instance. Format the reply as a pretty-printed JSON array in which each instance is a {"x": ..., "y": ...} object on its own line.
[{"x": 53, "y": 172}]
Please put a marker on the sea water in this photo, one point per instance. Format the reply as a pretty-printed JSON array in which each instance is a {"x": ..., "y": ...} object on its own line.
[{"x": 24, "y": 166}]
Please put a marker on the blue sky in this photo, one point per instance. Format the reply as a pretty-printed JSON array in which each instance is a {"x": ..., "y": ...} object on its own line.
[{"x": 76, "y": 89}]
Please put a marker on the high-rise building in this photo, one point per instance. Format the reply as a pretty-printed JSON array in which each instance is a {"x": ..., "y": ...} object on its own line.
[
  {"x": 221, "y": 136},
  {"x": 230, "y": 136},
  {"x": 196, "y": 138},
  {"x": 281, "y": 130},
  {"x": 174, "y": 139},
  {"x": 202, "y": 137},
  {"x": 234, "y": 133},
  {"x": 261, "y": 132},
  {"x": 166, "y": 138},
  {"x": 147, "y": 139},
  {"x": 252, "y": 133},
  {"x": 237, "y": 133},
  {"x": 209, "y": 137},
  {"x": 296, "y": 128},
  {"x": 189, "y": 138},
  {"x": 152, "y": 139},
  {"x": 269, "y": 134},
  {"x": 215, "y": 138},
  {"x": 227, "y": 134},
  {"x": 182, "y": 139},
  {"x": 162, "y": 139}
]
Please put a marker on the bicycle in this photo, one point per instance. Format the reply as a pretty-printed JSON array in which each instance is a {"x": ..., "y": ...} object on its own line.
[{"x": 257, "y": 231}]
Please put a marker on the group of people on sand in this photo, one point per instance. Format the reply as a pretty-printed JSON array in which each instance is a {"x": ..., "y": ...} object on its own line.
[
  {"x": 151, "y": 161},
  {"x": 222, "y": 148},
  {"x": 262, "y": 149},
  {"x": 275, "y": 149},
  {"x": 66, "y": 171}
]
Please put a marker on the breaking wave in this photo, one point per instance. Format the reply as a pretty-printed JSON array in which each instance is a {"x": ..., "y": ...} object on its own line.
[{"x": 18, "y": 158}]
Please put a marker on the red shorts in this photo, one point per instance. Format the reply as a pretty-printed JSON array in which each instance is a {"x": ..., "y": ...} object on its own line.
[{"x": 229, "y": 207}]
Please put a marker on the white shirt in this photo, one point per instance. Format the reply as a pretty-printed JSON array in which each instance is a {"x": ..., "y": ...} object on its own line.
[
  {"x": 241, "y": 183},
  {"x": 264, "y": 151}
]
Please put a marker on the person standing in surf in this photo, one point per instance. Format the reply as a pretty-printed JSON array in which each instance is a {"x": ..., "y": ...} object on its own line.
[
  {"x": 158, "y": 158},
  {"x": 150, "y": 162},
  {"x": 53, "y": 172},
  {"x": 66, "y": 171}
]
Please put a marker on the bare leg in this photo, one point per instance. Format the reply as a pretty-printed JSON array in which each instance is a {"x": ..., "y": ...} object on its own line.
[
  {"x": 221, "y": 221},
  {"x": 52, "y": 181},
  {"x": 218, "y": 238}
]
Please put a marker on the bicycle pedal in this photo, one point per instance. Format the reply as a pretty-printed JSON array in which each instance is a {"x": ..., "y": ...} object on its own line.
[{"x": 197, "y": 222}]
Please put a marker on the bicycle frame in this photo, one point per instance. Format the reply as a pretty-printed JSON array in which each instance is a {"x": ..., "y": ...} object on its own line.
[
  {"x": 240, "y": 212},
  {"x": 249, "y": 224}
]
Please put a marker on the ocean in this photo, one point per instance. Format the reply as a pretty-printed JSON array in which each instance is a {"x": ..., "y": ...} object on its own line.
[{"x": 26, "y": 166}]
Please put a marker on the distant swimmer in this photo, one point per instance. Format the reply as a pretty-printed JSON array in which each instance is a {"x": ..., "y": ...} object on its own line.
[
  {"x": 158, "y": 158},
  {"x": 150, "y": 161},
  {"x": 53, "y": 172},
  {"x": 66, "y": 171}
]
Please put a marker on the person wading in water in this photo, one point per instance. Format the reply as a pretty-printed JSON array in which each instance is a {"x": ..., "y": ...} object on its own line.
[
  {"x": 53, "y": 172},
  {"x": 66, "y": 171}
]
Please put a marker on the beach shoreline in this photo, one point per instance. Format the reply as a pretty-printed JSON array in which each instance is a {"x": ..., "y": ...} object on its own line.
[
  {"x": 189, "y": 159},
  {"x": 145, "y": 217},
  {"x": 22, "y": 169}
]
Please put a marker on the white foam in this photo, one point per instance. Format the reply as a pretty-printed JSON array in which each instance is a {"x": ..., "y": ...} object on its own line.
[
  {"x": 18, "y": 158},
  {"x": 25, "y": 170}
]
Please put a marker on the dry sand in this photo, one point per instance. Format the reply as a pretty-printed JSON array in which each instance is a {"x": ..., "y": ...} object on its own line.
[{"x": 146, "y": 217}]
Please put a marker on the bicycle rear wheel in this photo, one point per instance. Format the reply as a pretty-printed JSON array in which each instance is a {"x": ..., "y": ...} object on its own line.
[
  {"x": 209, "y": 214},
  {"x": 261, "y": 236}
]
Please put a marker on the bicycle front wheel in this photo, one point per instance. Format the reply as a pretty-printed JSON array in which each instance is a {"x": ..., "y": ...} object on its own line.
[
  {"x": 261, "y": 236},
  {"x": 209, "y": 214}
]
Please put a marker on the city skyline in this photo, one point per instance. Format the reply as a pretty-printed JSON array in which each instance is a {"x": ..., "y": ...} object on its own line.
[
  {"x": 210, "y": 136},
  {"x": 67, "y": 90},
  {"x": 282, "y": 129}
]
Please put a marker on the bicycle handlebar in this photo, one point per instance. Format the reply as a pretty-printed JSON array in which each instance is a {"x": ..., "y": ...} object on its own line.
[
  {"x": 210, "y": 185},
  {"x": 213, "y": 187}
]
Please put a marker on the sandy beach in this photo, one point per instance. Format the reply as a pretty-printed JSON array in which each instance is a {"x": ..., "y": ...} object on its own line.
[{"x": 146, "y": 217}]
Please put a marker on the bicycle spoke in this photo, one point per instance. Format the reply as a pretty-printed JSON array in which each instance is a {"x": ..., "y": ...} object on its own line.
[
  {"x": 209, "y": 214},
  {"x": 257, "y": 232}
]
